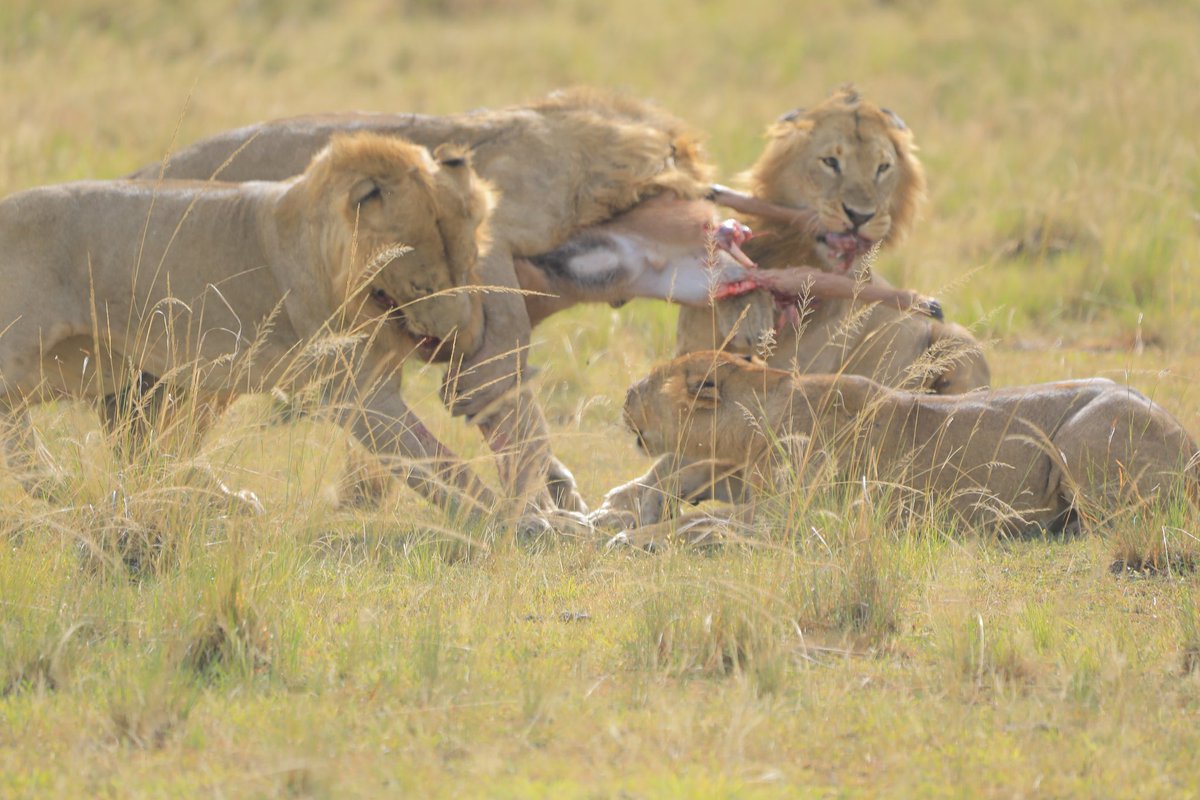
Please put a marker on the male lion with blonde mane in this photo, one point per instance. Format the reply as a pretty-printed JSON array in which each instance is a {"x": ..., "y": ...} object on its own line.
[
  {"x": 602, "y": 199},
  {"x": 245, "y": 286},
  {"x": 854, "y": 164},
  {"x": 1024, "y": 457}
]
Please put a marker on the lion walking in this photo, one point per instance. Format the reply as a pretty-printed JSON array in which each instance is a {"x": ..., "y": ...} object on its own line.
[{"x": 223, "y": 288}]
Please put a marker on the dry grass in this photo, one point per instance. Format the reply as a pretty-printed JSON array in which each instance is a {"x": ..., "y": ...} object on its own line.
[{"x": 155, "y": 643}]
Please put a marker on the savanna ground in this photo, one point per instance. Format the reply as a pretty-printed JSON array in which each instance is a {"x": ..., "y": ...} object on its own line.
[{"x": 317, "y": 652}]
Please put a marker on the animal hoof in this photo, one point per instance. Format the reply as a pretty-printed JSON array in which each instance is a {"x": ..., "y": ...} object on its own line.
[
  {"x": 564, "y": 493},
  {"x": 932, "y": 307}
]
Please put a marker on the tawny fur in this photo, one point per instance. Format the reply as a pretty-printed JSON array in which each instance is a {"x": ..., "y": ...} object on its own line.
[
  {"x": 839, "y": 336},
  {"x": 572, "y": 160},
  {"x": 1027, "y": 457},
  {"x": 222, "y": 286},
  {"x": 579, "y": 166},
  {"x": 835, "y": 336}
]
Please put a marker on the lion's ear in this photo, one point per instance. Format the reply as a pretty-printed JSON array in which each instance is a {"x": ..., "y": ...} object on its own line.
[
  {"x": 894, "y": 118},
  {"x": 704, "y": 392},
  {"x": 752, "y": 359},
  {"x": 452, "y": 156},
  {"x": 366, "y": 190}
]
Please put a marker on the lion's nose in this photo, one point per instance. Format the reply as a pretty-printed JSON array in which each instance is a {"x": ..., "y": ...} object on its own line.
[{"x": 857, "y": 218}]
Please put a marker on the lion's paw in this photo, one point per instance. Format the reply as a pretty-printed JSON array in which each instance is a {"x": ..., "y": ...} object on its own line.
[
  {"x": 537, "y": 523},
  {"x": 609, "y": 518},
  {"x": 629, "y": 540}
]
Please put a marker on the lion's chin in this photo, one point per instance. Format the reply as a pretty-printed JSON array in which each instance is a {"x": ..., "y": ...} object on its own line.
[{"x": 843, "y": 250}]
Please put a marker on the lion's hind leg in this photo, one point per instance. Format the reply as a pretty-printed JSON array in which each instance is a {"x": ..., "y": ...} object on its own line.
[
  {"x": 28, "y": 459},
  {"x": 128, "y": 413},
  {"x": 656, "y": 496},
  {"x": 153, "y": 424},
  {"x": 1122, "y": 448}
]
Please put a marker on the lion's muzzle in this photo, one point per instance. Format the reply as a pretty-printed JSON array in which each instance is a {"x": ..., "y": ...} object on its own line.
[{"x": 442, "y": 325}]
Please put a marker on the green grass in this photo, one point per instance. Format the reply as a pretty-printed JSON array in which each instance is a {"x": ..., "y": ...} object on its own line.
[{"x": 152, "y": 644}]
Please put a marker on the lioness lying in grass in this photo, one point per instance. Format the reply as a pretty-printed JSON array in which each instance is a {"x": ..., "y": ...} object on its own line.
[{"x": 1027, "y": 457}]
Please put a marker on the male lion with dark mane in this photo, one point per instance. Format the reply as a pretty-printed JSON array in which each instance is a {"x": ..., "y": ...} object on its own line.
[
  {"x": 1022, "y": 457},
  {"x": 244, "y": 285},
  {"x": 602, "y": 199}
]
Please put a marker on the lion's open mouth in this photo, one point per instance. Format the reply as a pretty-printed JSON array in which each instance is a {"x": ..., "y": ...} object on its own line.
[
  {"x": 845, "y": 248},
  {"x": 428, "y": 346}
]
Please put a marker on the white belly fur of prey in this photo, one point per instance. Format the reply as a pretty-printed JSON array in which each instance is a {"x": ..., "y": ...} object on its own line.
[{"x": 633, "y": 266}]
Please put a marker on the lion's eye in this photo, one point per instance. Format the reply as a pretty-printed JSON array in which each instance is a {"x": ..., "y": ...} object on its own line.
[
  {"x": 374, "y": 194},
  {"x": 883, "y": 168},
  {"x": 832, "y": 163}
]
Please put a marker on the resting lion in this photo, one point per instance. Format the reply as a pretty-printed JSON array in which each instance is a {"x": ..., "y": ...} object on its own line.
[
  {"x": 1027, "y": 457},
  {"x": 855, "y": 165},
  {"x": 241, "y": 287},
  {"x": 601, "y": 199}
]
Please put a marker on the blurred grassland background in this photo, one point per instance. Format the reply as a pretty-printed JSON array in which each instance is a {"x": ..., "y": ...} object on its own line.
[{"x": 354, "y": 655}]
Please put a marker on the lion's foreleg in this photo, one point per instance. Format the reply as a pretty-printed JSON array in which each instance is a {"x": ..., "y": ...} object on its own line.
[
  {"x": 518, "y": 433},
  {"x": 656, "y": 495},
  {"x": 474, "y": 380},
  {"x": 958, "y": 358},
  {"x": 488, "y": 386},
  {"x": 700, "y": 529},
  {"x": 742, "y": 324},
  {"x": 641, "y": 501},
  {"x": 387, "y": 426}
]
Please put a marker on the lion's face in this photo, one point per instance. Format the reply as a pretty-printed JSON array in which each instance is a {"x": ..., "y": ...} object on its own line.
[
  {"x": 417, "y": 226},
  {"x": 700, "y": 406},
  {"x": 854, "y": 164}
]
